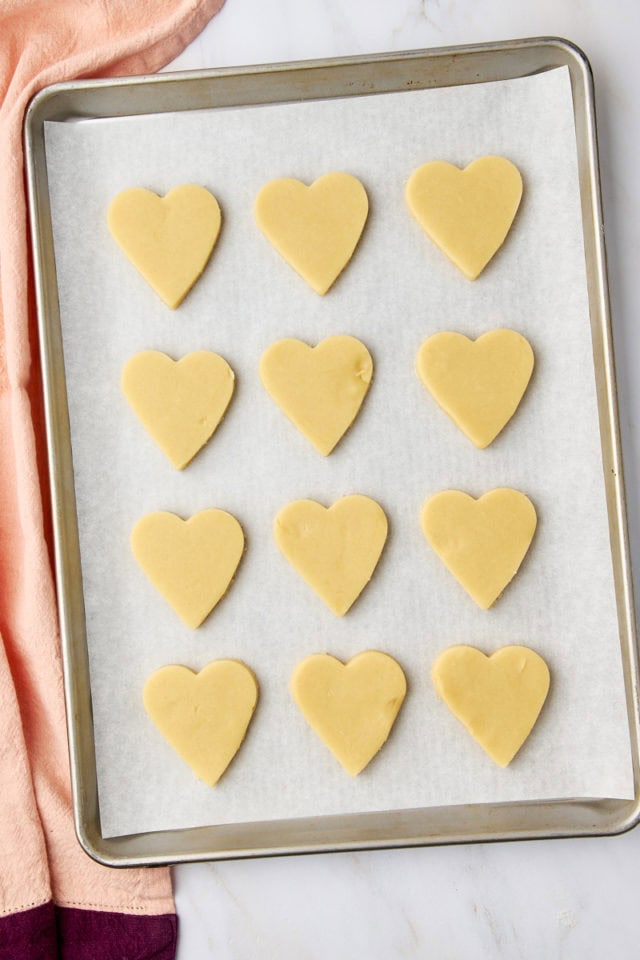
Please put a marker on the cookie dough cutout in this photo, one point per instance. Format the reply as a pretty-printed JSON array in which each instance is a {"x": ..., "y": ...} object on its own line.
[
  {"x": 320, "y": 389},
  {"x": 466, "y": 213},
  {"x": 497, "y": 698},
  {"x": 353, "y": 706},
  {"x": 168, "y": 239},
  {"x": 179, "y": 402},
  {"x": 481, "y": 542},
  {"x": 314, "y": 228},
  {"x": 204, "y": 716},
  {"x": 478, "y": 383},
  {"x": 336, "y": 549},
  {"x": 190, "y": 562}
]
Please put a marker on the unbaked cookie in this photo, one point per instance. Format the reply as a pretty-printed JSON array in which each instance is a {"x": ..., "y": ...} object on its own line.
[
  {"x": 479, "y": 383},
  {"x": 335, "y": 549},
  {"x": 320, "y": 389},
  {"x": 497, "y": 698},
  {"x": 190, "y": 562},
  {"x": 205, "y": 715},
  {"x": 353, "y": 706},
  {"x": 179, "y": 402},
  {"x": 314, "y": 228},
  {"x": 168, "y": 239},
  {"x": 467, "y": 213},
  {"x": 482, "y": 542}
]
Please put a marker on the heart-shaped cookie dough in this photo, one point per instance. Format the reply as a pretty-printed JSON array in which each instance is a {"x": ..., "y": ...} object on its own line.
[
  {"x": 316, "y": 228},
  {"x": 353, "y": 706},
  {"x": 482, "y": 542},
  {"x": 168, "y": 239},
  {"x": 336, "y": 549},
  {"x": 467, "y": 213},
  {"x": 479, "y": 383},
  {"x": 190, "y": 562},
  {"x": 320, "y": 389},
  {"x": 180, "y": 402},
  {"x": 497, "y": 698},
  {"x": 204, "y": 716}
]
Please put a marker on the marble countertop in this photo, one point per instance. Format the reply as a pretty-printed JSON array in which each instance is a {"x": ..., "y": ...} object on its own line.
[{"x": 566, "y": 899}]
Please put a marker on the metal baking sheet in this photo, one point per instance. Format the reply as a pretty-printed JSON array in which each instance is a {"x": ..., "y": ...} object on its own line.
[{"x": 326, "y": 79}]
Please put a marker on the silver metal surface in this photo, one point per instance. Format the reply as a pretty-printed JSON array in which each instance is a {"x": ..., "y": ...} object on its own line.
[{"x": 323, "y": 79}]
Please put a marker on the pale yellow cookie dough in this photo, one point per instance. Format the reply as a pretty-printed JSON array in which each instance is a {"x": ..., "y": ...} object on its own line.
[
  {"x": 204, "y": 716},
  {"x": 320, "y": 389},
  {"x": 314, "y": 228},
  {"x": 479, "y": 383},
  {"x": 497, "y": 698},
  {"x": 467, "y": 213},
  {"x": 353, "y": 706},
  {"x": 482, "y": 542},
  {"x": 190, "y": 562},
  {"x": 336, "y": 549},
  {"x": 179, "y": 402},
  {"x": 168, "y": 239}
]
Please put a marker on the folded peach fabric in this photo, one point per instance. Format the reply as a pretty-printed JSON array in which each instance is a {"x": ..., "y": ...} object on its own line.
[{"x": 54, "y": 900}]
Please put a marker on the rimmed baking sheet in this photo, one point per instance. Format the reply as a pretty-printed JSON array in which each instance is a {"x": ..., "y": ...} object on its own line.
[{"x": 396, "y": 292}]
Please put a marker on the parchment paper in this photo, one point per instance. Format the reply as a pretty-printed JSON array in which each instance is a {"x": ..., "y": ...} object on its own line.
[{"x": 398, "y": 290}]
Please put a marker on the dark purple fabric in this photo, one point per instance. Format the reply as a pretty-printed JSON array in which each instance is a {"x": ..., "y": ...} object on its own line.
[
  {"x": 65, "y": 933},
  {"x": 29, "y": 934},
  {"x": 99, "y": 935}
]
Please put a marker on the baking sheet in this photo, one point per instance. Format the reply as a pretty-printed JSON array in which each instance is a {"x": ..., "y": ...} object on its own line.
[{"x": 397, "y": 291}]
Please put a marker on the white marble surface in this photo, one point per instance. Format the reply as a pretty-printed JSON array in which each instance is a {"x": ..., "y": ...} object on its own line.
[{"x": 557, "y": 900}]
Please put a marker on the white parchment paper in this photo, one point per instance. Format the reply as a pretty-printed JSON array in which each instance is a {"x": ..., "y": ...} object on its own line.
[{"x": 398, "y": 290}]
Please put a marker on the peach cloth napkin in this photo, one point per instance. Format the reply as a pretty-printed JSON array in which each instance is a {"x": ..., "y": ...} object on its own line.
[{"x": 41, "y": 862}]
